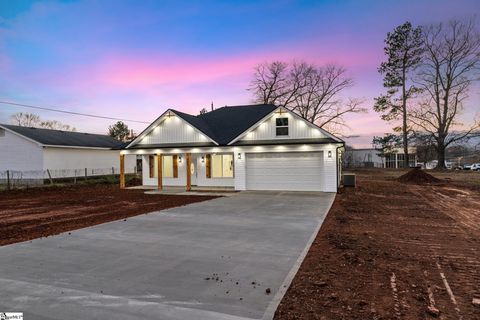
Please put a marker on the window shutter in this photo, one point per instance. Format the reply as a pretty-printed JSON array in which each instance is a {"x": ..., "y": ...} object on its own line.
[
  {"x": 151, "y": 164},
  {"x": 175, "y": 166},
  {"x": 208, "y": 165}
]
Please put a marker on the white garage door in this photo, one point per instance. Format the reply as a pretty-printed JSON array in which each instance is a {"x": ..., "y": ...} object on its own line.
[{"x": 296, "y": 171}]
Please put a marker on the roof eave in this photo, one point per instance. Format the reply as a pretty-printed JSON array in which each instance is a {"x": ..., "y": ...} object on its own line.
[{"x": 22, "y": 136}]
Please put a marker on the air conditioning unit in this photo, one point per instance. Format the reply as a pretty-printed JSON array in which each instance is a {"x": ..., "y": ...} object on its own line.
[{"x": 349, "y": 180}]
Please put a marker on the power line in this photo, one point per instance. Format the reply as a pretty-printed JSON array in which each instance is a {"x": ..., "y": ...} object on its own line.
[{"x": 69, "y": 112}]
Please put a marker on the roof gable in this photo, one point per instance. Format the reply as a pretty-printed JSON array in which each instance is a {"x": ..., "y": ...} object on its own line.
[
  {"x": 64, "y": 138},
  {"x": 174, "y": 128},
  {"x": 300, "y": 130}
]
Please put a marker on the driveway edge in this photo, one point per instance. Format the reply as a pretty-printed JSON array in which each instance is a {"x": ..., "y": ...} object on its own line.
[{"x": 273, "y": 305}]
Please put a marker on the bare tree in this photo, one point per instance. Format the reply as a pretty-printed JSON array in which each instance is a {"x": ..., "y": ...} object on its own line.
[
  {"x": 33, "y": 120},
  {"x": 311, "y": 91},
  {"x": 450, "y": 66},
  {"x": 26, "y": 119},
  {"x": 56, "y": 125}
]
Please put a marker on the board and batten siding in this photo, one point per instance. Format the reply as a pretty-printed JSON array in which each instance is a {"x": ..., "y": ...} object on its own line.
[
  {"x": 173, "y": 130},
  {"x": 330, "y": 170},
  {"x": 200, "y": 180},
  {"x": 297, "y": 129},
  {"x": 18, "y": 153},
  {"x": 180, "y": 181},
  {"x": 203, "y": 181}
]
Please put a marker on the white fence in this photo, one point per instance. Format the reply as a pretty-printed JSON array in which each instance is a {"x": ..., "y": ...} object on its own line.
[{"x": 12, "y": 179}]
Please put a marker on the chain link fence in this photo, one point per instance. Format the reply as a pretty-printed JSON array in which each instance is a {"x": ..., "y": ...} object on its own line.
[{"x": 12, "y": 179}]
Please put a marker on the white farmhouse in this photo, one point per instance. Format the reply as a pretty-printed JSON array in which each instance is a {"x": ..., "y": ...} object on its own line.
[{"x": 254, "y": 147}]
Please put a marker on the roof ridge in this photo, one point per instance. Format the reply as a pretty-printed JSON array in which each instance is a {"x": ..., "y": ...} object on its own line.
[{"x": 56, "y": 130}]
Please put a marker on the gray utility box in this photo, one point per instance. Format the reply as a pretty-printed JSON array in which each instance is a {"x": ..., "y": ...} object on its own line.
[{"x": 349, "y": 179}]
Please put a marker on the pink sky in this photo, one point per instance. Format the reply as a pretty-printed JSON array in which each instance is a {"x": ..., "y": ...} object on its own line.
[{"x": 92, "y": 57}]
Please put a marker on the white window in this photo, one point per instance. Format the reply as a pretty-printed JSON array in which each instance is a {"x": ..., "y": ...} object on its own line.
[
  {"x": 222, "y": 166},
  {"x": 281, "y": 126}
]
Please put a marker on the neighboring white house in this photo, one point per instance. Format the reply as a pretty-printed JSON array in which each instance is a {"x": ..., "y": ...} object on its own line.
[
  {"x": 255, "y": 147},
  {"x": 32, "y": 151},
  {"x": 362, "y": 158},
  {"x": 370, "y": 158}
]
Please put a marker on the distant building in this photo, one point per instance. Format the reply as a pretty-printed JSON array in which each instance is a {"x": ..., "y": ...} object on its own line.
[
  {"x": 36, "y": 153},
  {"x": 370, "y": 158}
]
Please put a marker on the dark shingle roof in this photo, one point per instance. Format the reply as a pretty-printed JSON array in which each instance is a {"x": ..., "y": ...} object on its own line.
[
  {"x": 65, "y": 138},
  {"x": 226, "y": 123}
]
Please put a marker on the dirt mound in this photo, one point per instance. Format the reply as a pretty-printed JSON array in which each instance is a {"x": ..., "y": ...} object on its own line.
[{"x": 417, "y": 176}]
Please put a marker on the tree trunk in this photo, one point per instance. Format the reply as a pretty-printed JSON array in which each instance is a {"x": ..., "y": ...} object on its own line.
[
  {"x": 404, "y": 123},
  {"x": 441, "y": 154},
  {"x": 405, "y": 140}
]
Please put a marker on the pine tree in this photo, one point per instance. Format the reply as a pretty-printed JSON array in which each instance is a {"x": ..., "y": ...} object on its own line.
[{"x": 404, "y": 49}]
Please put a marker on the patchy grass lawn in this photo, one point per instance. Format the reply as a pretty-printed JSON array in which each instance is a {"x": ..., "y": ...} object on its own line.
[
  {"x": 389, "y": 250},
  {"x": 39, "y": 212}
]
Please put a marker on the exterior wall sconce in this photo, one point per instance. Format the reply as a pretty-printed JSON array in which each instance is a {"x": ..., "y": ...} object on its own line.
[
  {"x": 239, "y": 156},
  {"x": 329, "y": 153},
  {"x": 203, "y": 159},
  {"x": 179, "y": 159}
]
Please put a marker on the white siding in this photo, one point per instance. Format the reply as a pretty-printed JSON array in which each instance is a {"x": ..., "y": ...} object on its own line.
[
  {"x": 172, "y": 182},
  {"x": 19, "y": 154},
  {"x": 240, "y": 170},
  {"x": 77, "y": 158},
  {"x": 297, "y": 129},
  {"x": 330, "y": 170},
  {"x": 173, "y": 130},
  {"x": 200, "y": 178},
  {"x": 203, "y": 181}
]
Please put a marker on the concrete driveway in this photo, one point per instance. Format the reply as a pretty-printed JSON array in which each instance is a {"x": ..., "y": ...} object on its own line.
[{"x": 209, "y": 260}]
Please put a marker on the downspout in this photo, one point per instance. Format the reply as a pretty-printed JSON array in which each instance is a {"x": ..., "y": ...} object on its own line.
[{"x": 336, "y": 150}]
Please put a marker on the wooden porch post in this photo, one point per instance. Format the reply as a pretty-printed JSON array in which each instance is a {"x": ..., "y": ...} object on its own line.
[
  {"x": 159, "y": 171},
  {"x": 122, "y": 171},
  {"x": 189, "y": 173}
]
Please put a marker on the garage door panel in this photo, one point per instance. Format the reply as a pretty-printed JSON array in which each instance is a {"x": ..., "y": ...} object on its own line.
[{"x": 284, "y": 171}]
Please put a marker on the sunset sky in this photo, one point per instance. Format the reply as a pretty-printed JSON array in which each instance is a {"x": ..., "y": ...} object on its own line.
[{"x": 134, "y": 59}]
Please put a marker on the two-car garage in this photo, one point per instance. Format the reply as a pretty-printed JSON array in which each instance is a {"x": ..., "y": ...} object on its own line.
[{"x": 295, "y": 171}]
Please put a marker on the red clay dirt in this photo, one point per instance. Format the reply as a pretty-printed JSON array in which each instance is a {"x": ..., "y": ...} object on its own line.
[
  {"x": 41, "y": 212},
  {"x": 390, "y": 250}
]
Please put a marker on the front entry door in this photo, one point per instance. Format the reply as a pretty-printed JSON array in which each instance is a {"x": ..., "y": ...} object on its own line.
[{"x": 193, "y": 170}]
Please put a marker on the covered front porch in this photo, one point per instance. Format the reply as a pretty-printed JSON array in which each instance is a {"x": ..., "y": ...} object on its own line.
[{"x": 190, "y": 171}]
